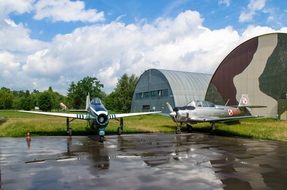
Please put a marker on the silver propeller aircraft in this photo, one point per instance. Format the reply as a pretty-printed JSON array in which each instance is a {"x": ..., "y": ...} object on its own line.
[
  {"x": 204, "y": 111},
  {"x": 96, "y": 115}
]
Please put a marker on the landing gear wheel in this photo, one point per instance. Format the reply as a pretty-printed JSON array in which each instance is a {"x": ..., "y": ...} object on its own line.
[
  {"x": 212, "y": 127},
  {"x": 120, "y": 130},
  {"x": 69, "y": 132},
  {"x": 178, "y": 131}
]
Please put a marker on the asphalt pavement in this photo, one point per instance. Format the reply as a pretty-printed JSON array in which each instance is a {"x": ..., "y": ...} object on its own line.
[{"x": 145, "y": 161}]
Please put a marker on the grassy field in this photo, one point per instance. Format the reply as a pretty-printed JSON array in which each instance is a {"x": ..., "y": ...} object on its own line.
[{"x": 15, "y": 124}]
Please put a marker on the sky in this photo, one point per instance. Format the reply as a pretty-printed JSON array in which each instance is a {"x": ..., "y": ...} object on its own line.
[{"x": 53, "y": 43}]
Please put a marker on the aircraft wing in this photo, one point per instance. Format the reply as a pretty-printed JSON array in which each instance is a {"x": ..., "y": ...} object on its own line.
[
  {"x": 218, "y": 119},
  {"x": 115, "y": 116},
  {"x": 69, "y": 115}
]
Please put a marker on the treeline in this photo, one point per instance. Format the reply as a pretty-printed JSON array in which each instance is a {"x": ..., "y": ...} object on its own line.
[{"x": 119, "y": 100}]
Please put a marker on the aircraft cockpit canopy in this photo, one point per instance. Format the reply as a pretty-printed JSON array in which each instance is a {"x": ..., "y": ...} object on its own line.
[
  {"x": 96, "y": 101},
  {"x": 198, "y": 103},
  {"x": 97, "y": 104}
]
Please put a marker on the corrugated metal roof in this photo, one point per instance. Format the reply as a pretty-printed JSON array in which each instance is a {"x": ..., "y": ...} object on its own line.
[{"x": 186, "y": 86}]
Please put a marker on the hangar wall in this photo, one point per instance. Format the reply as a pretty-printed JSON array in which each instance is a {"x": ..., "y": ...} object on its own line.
[
  {"x": 257, "y": 67},
  {"x": 156, "y": 87}
]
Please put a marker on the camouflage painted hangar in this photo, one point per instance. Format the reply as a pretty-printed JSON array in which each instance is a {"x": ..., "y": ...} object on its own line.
[{"x": 257, "y": 67}]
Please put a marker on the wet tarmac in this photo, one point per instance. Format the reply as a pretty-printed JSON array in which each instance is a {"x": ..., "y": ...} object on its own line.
[{"x": 151, "y": 161}]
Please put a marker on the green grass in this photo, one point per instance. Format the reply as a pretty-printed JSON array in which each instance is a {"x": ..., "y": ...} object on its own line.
[
  {"x": 266, "y": 128},
  {"x": 16, "y": 124}
]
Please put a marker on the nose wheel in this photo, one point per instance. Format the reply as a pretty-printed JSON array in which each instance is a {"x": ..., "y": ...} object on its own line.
[{"x": 101, "y": 135}]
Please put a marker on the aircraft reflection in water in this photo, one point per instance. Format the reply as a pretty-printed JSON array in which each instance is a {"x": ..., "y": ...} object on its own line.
[
  {"x": 97, "y": 116},
  {"x": 154, "y": 161},
  {"x": 196, "y": 159},
  {"x": 204, "y": 111},
  {"x": 87, "y": 148}
]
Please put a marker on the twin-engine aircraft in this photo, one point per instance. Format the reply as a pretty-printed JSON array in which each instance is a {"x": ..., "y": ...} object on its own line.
[
  {"x": 204, "y": 111},
  {"x": 96, "y": 115}
]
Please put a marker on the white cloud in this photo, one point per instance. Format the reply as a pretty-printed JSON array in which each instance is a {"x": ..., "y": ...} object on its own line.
[
  {"x": 253, "y": 31},
  {"x": 256, "y": 5},
  {"x": 15, "y": 6},
  {"x": 109, "y": 50},
  {"x": 40, "y": 65},
  {"x": 224, "y": 2},
  {"x": 16, "y": 38},
  {"x": 253, "y": 6},
  {"x": 66, "y": 10},
  {"x": 8, "y": 64}
]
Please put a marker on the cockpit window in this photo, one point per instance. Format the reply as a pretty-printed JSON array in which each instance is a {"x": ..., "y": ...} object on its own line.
[
  {"x": 97, "y": 105},
  {"x": 184, "y": 108},
  {"x": 198, "y": 103},
  {"x": 96, "y": 101},
  {"x": 207, "y": 104}
]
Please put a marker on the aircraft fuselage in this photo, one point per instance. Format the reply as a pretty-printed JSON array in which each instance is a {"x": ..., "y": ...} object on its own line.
[
  {"x": 187, "y": 115},
  {"x": 99, "y": 115}
]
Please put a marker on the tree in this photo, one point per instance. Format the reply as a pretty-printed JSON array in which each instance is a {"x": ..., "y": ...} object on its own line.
[
  {"x": 121, "y": 98},
  {"x": 26, "y": 102},
  {"x": 45, "y": 101},
  {"x": 23, "y": 100},
  {"x": 77, "y": 92},
  {"x": 56, "y": 98},
  {"x": 6, "y": 98}
]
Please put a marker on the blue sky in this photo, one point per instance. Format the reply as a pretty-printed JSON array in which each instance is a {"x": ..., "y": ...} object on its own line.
[
  {"x": 216, "y": 14},
  {"x": 52, "y": 43}
]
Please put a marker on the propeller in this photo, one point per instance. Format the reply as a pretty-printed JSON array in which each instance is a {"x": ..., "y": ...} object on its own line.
[{"x": 173, "y": 113}]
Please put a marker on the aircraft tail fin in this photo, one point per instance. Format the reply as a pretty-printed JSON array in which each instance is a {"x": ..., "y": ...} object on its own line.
[
  {"x": 88, "y": 101},
  {"x": 169, "y": 107},
  {"x": 244, "y": 101}
]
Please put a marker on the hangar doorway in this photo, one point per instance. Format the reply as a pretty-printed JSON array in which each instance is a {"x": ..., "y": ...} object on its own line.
[{"x": 146, "y": 108}]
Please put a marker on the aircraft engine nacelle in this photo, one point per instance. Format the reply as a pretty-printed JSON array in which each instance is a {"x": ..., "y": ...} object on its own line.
[{"x": 102, "y": 120}]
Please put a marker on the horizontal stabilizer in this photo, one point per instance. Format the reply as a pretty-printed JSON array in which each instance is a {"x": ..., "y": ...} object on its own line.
[{"x": 253, "y": 106}]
